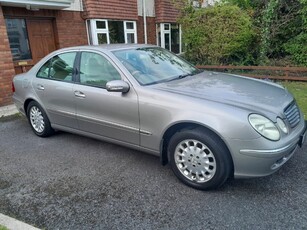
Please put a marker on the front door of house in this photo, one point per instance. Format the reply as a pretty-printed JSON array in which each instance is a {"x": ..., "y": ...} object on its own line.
[
  {"x": 36, "y": 36},
  {"x": 41, "y": 38}
]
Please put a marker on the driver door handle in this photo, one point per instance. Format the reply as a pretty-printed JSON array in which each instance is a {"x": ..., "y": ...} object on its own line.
[
  {"x": 79, "y": 94},
  {"x": 40, "y": 87}
]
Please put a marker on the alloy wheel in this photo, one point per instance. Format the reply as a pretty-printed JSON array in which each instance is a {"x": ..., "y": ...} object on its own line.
[
  {"x": 37, "y": 119},
  {"x": 195, "y": 161}
]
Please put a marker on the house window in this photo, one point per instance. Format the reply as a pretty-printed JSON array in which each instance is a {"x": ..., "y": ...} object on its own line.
[
  {"x": 130, "y": 32},
  {"x": 116, "y": 32},
  {"x": 169, "y": 37},
  {"x": 18, "y": 39},
  {"x": 110, "y": 31}
]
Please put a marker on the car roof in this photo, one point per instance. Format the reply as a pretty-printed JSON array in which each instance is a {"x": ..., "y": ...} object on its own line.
[{"x": 108, "y": 47}]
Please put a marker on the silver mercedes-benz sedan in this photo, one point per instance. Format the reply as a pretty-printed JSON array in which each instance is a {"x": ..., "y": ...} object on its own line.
[{"x": 208, "y": 126}]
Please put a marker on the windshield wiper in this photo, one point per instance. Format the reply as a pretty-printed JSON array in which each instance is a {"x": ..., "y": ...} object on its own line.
[
  {"x": 181, "y": 76},
  {"x": 184, "y": 75},
  {"x": 189, "y": 74},
  {"x": 198, "y": 71}
]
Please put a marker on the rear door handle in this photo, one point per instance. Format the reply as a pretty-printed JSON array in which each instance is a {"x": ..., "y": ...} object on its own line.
[
  {"x": 40, "y": 87},
  {"x": 79, "y": 94}
]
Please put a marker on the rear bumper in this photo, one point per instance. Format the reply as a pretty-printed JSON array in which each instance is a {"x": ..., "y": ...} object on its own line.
[{"x": 19, "y": 104}]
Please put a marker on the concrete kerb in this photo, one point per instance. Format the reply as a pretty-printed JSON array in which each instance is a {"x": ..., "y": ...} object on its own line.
[
  {"x": 13, "y": 224},
  {"x": 8, "y": 110}
]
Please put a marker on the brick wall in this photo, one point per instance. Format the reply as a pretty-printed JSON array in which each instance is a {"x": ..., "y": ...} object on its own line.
[
  {"x": 70, "y": 29},
  {"x": 151, "y": 30},
  {"x": 6, "y": 65},
  {"x": 115, "y": 9},
  {"x": 166, "y": 11}
]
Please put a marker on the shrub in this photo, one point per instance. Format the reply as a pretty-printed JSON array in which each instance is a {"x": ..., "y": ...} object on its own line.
[
  {"x": 218, "y": 35},
  {"x": 297, "y": 48}
]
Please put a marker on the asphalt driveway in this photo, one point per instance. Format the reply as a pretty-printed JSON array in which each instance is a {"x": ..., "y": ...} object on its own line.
[{"x": 73, "y": 182}]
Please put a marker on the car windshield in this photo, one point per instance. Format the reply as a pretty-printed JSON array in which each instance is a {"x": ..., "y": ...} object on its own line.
[{"x": 154, "y": 65}]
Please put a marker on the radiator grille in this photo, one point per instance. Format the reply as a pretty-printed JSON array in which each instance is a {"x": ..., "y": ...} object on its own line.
[{"x": 292, "y": 114}]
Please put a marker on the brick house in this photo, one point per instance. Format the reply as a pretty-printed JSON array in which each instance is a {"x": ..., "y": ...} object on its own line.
[{"x": 30, "y": 29}]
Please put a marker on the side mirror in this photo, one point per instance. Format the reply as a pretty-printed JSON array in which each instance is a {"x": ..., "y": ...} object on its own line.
[{"x": 117, "y": 86}]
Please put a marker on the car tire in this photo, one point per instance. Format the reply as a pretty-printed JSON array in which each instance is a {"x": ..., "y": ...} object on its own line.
[
  {"x": 38, "y": 120},
  {"x": 199, "y": 158}
]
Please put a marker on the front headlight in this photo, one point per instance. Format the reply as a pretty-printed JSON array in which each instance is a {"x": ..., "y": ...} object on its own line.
[
  {"x": 282, "y": 125},
  {"x": 264, "y": 127}
]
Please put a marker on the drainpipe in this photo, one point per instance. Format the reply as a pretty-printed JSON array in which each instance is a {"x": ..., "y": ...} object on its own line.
[{"x": 145, "y": 24}]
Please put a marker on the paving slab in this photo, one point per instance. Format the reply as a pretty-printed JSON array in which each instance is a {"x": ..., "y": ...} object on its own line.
[
  {"x": 13, "y": 224},
  {"x": 8, "y": 110}
]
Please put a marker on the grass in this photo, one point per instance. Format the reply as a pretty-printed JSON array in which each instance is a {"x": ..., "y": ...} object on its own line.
[
  {"x": 10, "y": 118},
  {"x": 299, "y": 91},
  {"x": 3, "y": 228}
]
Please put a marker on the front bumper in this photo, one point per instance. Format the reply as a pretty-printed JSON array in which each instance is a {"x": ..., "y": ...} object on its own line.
[{"x": 254, "y": 162}]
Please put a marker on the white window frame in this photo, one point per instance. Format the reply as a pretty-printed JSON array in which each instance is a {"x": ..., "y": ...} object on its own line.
[
  {"x": 95, "y": 31},
  {"x": 180, "y": 39},
  {"x": 163, "y": 31},
  {"x": 130, "y": 31}
]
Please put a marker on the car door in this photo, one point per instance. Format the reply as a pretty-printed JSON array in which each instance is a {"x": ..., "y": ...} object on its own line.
[
  {"x": 109, "y": 114},
  {"x": 54, "y": 87}
]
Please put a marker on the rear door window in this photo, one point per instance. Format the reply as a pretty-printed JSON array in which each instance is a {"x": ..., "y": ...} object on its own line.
[{"x": 59, "y": 67}]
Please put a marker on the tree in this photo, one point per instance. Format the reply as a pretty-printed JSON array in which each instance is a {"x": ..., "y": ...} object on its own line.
[
  {"x": 297, "y": 47},
  {"x": 267, "y": 20},
  {"x": 277, "y": 23}
]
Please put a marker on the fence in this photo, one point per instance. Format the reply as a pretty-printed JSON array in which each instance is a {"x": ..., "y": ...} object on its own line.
[{"x": 271, "y": 72}]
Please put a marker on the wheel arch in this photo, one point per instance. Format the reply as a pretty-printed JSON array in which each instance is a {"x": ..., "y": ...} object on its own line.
[
  {"x": 26, "y": 104},
  {"x": 179, "y": 127},
  {"x": 47, "y": 129}
]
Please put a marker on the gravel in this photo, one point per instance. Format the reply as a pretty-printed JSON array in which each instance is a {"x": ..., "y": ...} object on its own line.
[{"x": 72, "y": 182}]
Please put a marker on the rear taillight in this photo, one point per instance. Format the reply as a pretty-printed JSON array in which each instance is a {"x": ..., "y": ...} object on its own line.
[{"x": 13, "y": 87}]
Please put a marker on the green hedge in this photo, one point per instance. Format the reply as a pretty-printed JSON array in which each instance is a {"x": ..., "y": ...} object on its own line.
[
  {"x": 246, "y": 32},
  {"x": 217, "y": 35}
]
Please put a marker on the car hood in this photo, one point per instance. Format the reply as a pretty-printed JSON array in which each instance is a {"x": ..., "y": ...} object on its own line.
[{"x": 231, "y": 89}]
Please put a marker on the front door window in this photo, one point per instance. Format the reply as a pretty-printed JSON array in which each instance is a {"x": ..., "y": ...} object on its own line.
[{"x": 96, "y": 70}]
